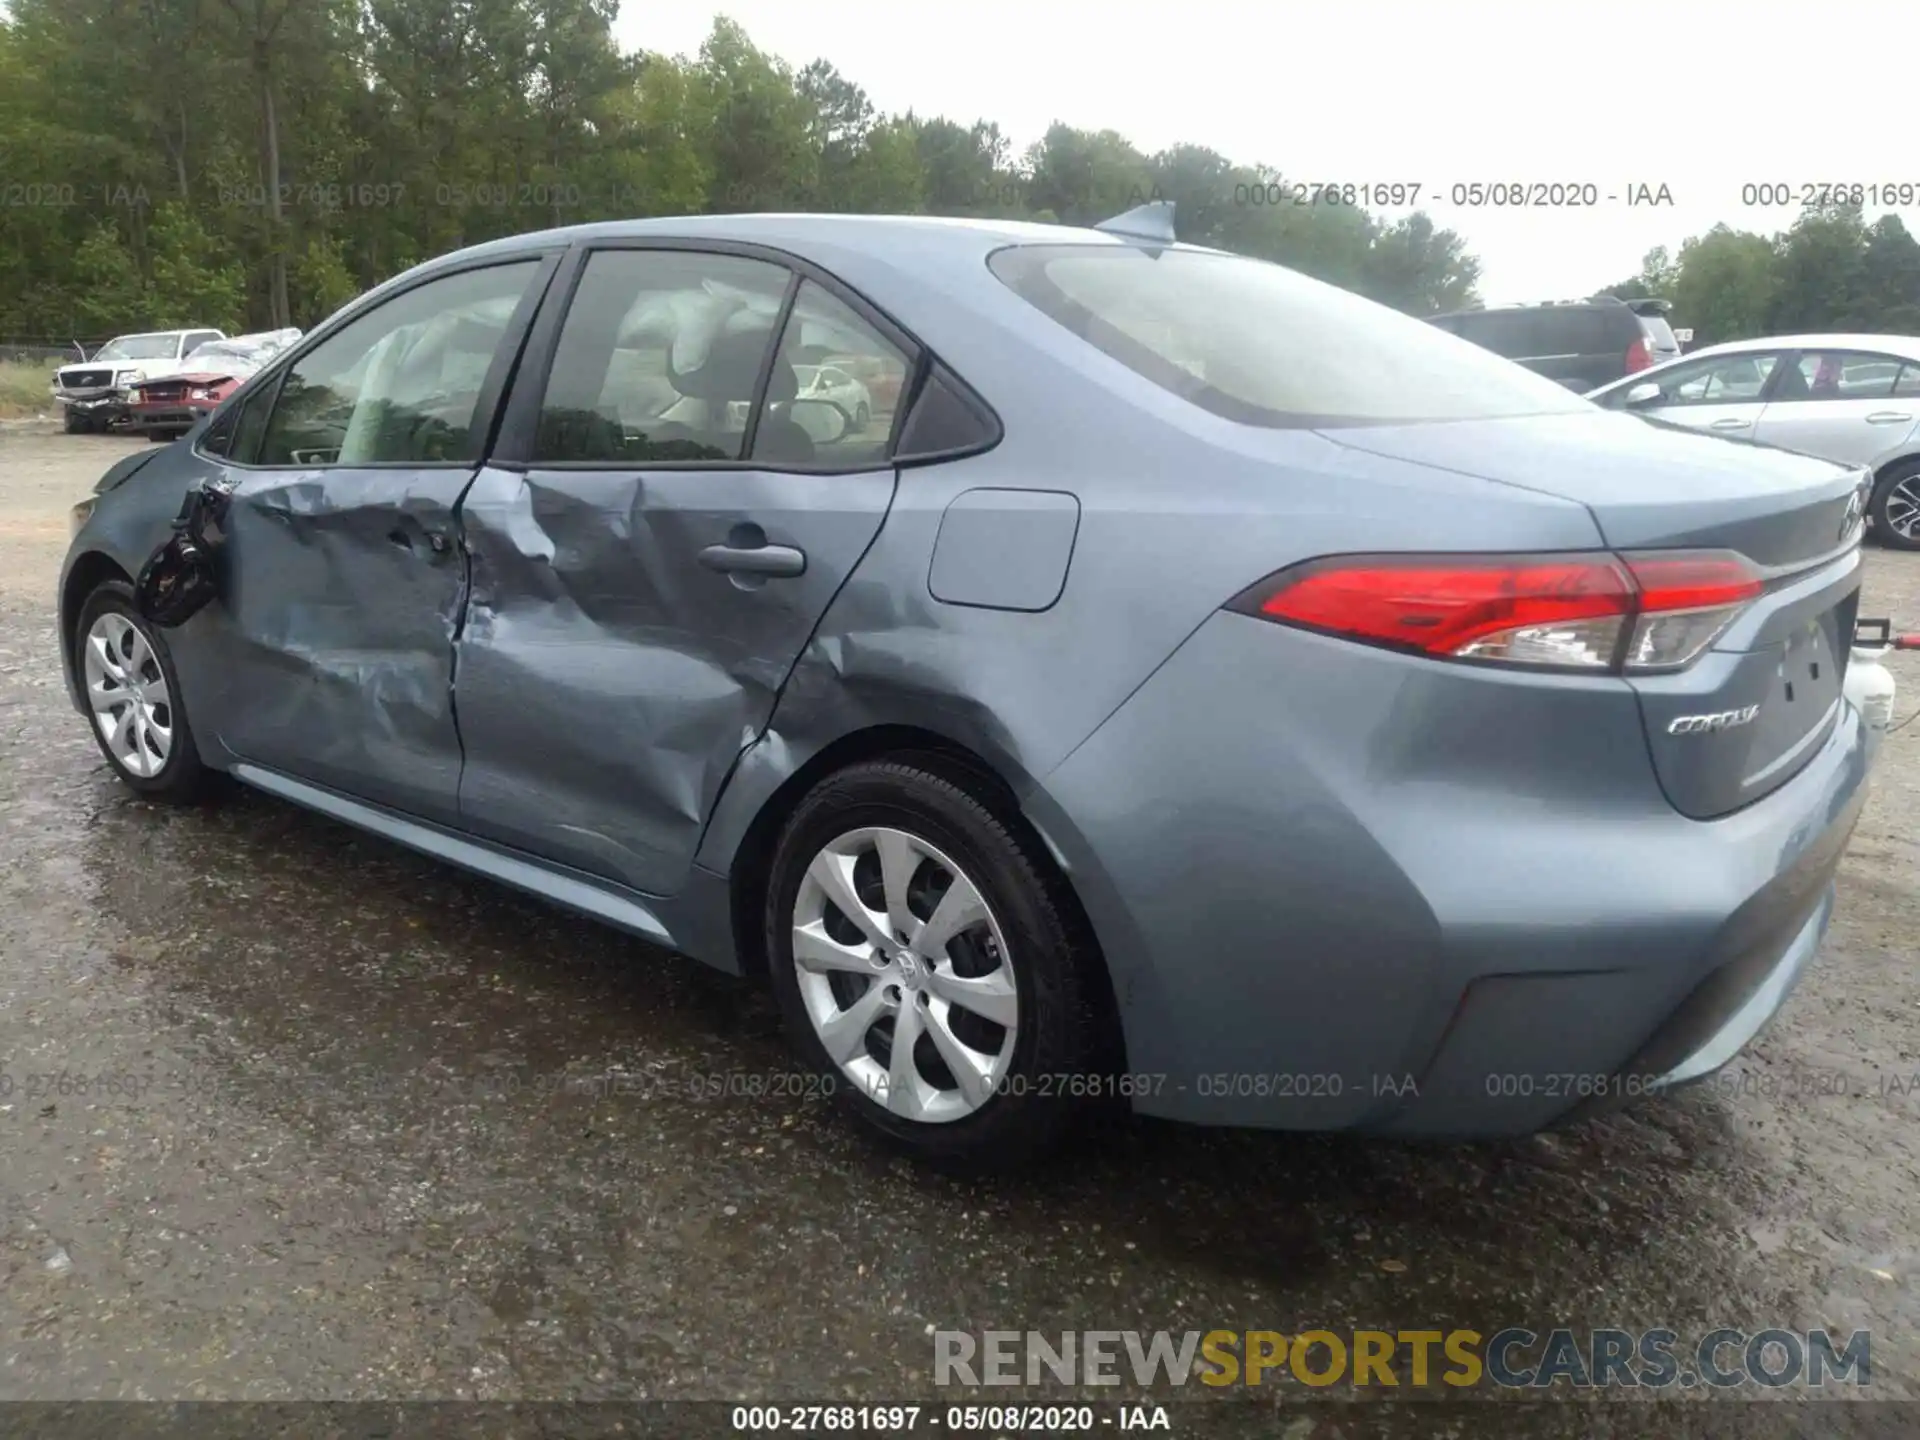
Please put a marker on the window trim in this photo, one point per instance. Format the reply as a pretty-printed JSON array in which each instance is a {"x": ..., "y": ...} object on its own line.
[
  {"x": 487, "y": 408},
  {"x": 514, "y": 449}
]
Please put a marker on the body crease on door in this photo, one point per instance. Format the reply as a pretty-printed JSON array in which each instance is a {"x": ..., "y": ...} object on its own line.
[{"x": 608, "y": 680}]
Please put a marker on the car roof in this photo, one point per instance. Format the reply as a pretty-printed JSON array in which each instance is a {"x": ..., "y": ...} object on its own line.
[
  {"x": 913, "y": 243},
  {"x": 879, "y": 235},
  {"x": 1559, "y": 307}
]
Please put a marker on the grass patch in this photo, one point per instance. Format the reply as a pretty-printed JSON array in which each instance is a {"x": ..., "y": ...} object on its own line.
[{"x": 25, "y": 387}]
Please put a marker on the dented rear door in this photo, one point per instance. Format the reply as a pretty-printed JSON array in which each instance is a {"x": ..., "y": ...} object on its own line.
[
  {"x": 608, "y": 679},
  {"x": 640, "y": 592}
]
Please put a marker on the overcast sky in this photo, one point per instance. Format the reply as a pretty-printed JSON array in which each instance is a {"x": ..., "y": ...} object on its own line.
[{"x": 1700, "y": 97}]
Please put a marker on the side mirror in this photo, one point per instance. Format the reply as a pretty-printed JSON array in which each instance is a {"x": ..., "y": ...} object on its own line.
[
  {"x": 823, "y": 421},
  {"x": 1645, "y": 393}
]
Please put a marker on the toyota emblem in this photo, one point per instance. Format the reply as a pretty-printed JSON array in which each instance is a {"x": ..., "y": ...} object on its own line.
[{"x": 1856, "y": 510}]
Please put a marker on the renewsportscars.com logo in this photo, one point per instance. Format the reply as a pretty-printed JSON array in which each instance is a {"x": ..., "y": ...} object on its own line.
[{"x": 1513, "y": 1358}]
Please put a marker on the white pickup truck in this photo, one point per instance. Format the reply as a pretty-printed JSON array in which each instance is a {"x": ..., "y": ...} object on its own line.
[{"x": 93, "y": 393}]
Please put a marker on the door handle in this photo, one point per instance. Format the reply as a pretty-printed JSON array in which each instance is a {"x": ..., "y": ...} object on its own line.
[
  {"x": 436, "y": 544},
  {"x": 777, "y": 560},
  {"x": 1887, "y": 417},
  {"x": 1731, "y": 424}
]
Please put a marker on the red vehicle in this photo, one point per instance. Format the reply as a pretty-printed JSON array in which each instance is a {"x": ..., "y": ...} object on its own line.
[{"x": 167, "y": 407}]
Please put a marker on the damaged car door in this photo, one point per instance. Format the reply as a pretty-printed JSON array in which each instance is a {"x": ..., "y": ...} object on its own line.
[
  {"x": 345, "y": 577},
  {"x": 663, "y": 527}
]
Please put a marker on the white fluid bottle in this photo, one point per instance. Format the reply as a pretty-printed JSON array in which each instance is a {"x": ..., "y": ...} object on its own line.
[{"x": 1869, "y": 685}]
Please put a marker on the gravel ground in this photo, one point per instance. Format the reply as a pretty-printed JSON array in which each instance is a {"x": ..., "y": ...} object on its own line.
[{"x": 343, "y": 1165}]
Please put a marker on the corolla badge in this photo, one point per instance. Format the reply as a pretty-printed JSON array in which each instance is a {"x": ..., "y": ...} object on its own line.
[{"x": 1706, "y": 724}]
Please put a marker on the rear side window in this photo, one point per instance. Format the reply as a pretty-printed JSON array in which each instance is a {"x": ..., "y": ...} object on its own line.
[
  {"x": 1574, "y": 332},
  {"x": 1512, "y": 333},
  {"x": 659, "y": 358},
  {"x": 1262, "y": 345},
  {"x": 1847, "y": 375}
]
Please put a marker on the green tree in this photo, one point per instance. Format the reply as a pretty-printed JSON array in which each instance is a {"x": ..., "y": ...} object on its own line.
[
  {"x": 190, "y": 286},
  {"x": 321, "y": 282},
  {"x": 1819, "y": 272},
  {"x": 760, "y": 150},
  {"x": 110, "y": 293},
  {"x": 310, "y": 148},
  {"x": 1416, "y": 268},
  {"x": 1723, "y": 285}
]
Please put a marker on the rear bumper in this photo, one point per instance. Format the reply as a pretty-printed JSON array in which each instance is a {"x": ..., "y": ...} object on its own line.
[{"x": 1342, "y": 888}]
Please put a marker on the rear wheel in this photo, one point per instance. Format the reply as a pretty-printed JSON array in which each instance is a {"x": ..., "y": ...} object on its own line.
[
  {"x": 1896, "y": 507},
  {"x": 926, "y": 968},
  {"x": 133, "y": 698}
]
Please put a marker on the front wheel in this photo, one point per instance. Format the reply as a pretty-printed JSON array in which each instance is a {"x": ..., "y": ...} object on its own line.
[
  {"x": 76, "y": 423},
  {"x": 926, "y": 968},
  {"x": 1895, "y": 508},
  {"x": 133, "y": 698},
  {"x": 861, "y": 416}
]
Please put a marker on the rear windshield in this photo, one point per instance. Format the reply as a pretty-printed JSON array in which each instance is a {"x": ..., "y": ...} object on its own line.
[
  {"x": 139, "y": 347},
  {"x": 1262, "y": 345},
  {"x": 1659, "y": 332}
]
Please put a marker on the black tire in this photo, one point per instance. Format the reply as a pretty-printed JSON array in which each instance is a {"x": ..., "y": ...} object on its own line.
[
  {"x": 162, "y": 437},
  {"x": 76, "y": 423},
  {"x": 1059, "y": 1027},
  {"x": 1908, "y": 474},
  {"x": 183, "y": 779}
]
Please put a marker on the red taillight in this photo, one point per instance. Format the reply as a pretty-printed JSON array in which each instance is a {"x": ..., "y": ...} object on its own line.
[
  {"x": 1653, "y": 611},
  {"x": 1638, "y": 356},
  {"x": 1692, "y": 580}
]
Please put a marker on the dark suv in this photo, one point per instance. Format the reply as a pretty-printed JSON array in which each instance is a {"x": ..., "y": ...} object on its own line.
[{"x": 1581, "y": 344}]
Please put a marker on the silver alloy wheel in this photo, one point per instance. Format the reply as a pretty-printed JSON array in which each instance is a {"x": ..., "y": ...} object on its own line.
[
  {"x": 905, "y": 975},
  {"x": 127, "y": 691},
  {"x": 1903, "y": 508}
]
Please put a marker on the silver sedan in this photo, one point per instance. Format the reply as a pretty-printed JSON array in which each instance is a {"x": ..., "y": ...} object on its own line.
[{"x": 1852, "y": 398}]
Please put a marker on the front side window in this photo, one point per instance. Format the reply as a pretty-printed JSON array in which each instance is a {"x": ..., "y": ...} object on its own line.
[
  {"x": 1262, "y": 345},
  {"x": 402, "y": 382},
  {"x": 1717, "y": 380},
  {"x": 837, "y": 408},
  {"x": 659, "y": 358}
]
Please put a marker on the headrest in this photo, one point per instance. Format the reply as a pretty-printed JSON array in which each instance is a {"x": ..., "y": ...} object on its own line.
[{"x": 732, "y": 369}]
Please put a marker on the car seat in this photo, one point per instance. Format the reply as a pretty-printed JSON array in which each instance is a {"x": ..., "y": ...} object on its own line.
[{"x": 731, "y": 372}]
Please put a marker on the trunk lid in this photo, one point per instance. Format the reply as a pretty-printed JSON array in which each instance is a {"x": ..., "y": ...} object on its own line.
[{"x": 1744, "y": 718}]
